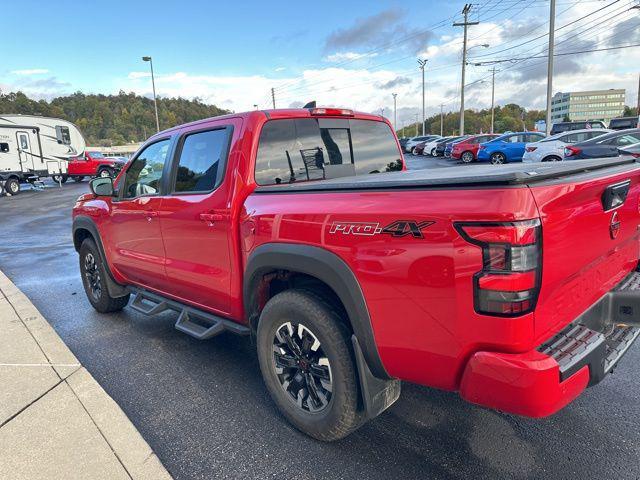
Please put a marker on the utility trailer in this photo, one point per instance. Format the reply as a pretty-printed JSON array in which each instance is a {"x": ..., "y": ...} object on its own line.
[{"x": 32, "y": 147}]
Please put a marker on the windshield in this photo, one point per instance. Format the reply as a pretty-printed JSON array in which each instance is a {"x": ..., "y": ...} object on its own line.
[{"x": 298, "y": 150}]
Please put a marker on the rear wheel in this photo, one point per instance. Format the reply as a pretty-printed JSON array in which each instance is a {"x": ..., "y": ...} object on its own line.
[
  {"x": 105, "y": 172},
  {"x": 498, "y": 158},
  {"x": 12, "y": 186},
  {"x": 59, "y": 178},
  {"x": 433, "y": 152},
  {"x": 307, "y": 365},
  {"x": 94, "y": 280},
  {"x": 467, "y": 157},
  {"x": 552, "y": 158},
  {"x": 413, "y": 151}
]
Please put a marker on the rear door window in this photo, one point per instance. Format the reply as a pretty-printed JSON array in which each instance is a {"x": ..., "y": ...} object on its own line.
[
  {"x": 202, "y": 158},
  {"x": 297, "y": 150}
]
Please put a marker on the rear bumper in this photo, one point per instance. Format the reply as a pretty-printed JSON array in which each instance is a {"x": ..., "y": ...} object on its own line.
[{"x": 540, "y": 382}]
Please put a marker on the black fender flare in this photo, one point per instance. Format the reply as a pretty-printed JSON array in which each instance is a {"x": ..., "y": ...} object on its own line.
[
  {"x": 82, "y": 222},
  {"x": 330, "y": 269}
]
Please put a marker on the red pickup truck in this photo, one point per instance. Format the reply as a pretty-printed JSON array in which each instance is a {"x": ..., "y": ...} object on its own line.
[
  {"x": 90, "y": 164},
  {"x": 515, "y": 286}
]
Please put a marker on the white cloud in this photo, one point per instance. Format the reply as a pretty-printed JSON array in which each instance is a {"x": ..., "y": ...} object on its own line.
[
  {"x": 30, "y": 71},
  {"x": 135, "y": 75},
  {"x": 348, "y": 56},
  {"x": 279, "y": 69}
]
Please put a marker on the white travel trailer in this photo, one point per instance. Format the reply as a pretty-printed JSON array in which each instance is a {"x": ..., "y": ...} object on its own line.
[{"x": 32, "y": 146}]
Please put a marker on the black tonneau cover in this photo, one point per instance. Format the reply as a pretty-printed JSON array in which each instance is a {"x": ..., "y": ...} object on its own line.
[{"x": 460, "y": 176}]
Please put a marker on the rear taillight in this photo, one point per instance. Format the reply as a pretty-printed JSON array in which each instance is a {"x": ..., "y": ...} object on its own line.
[
  {"x": 509, "y": 282},
  {"x": 571, "y": 151},
  {"x": 531, "y": 149}
]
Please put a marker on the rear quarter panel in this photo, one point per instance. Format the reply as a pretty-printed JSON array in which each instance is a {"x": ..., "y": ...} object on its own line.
[{"x": 418, "y": 290}]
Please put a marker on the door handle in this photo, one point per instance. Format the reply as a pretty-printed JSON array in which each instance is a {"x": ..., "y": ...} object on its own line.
[{"x": 211, "y": 217}]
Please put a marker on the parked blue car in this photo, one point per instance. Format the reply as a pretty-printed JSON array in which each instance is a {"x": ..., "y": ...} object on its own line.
[{"x": 507, "y": 148}]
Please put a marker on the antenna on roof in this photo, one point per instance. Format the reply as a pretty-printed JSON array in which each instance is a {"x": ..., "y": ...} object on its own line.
[{"x": 311, "y": 104}]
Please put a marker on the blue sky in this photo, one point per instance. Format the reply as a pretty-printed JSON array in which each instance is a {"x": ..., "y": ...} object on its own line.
[{"x": 352, "y": 53}]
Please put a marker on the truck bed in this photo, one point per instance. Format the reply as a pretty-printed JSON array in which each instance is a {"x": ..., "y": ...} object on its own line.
[{"x": 459, "y": 176}]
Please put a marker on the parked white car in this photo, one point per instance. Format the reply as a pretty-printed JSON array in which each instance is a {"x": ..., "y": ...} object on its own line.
[
  {"x": 412, "y": 142},
  {"x": 430, "y": 147},
  {"x": 551, "y": 149}
]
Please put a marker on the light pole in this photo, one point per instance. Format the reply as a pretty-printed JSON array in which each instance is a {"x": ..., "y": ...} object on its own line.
[
  {"x": 422, "y": 64},
  {"x": 493, "y": 95},
  {"x": 416, "y": 124},
  {"x": 552, "y": 31},
  {"x": 153, "y": 84},
  {"x": 442, "y": 119},
  {"x": 395, "y": 112}
]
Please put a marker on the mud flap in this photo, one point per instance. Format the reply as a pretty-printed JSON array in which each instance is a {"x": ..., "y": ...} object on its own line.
[{"x": 377, "y": 394}]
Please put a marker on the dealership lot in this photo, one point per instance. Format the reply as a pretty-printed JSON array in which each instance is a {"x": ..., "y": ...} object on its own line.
[{"x": 205, "y": 412}]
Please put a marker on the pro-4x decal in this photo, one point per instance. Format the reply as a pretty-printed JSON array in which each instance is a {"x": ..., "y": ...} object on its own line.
[{"x": 399, "y": 228}]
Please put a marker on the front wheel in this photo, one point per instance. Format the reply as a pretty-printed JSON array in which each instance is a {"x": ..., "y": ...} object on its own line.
[
  {"x": 414, "y": 151},
  {"x": 433, "y": 152},
  {"x": 307, "y": 366},
  {"x": 467, "y": 157},
  {"x": 94, "y": 280},
  {"x": 498, "y": 158}
]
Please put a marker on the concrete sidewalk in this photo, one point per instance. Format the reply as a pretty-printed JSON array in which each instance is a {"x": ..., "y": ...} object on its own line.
[{"x": 56, "y": 422}]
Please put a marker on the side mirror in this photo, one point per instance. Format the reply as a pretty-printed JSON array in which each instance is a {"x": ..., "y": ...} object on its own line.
[{"x": 102, "y": 187}]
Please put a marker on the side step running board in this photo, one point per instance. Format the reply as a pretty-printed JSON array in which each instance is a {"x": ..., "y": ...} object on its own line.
[{"x": 194, "y": 322}]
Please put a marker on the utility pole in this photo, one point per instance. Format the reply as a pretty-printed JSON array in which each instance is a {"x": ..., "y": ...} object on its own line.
[
  {"x": 493, "y": 95},
  {"x": 416, "y": 124},
  {"x": 422, "y": 64},
  {"x": 395, "y": 113},
  {"x": 552, "y": 31},
  {"x": 273, "y": 97},
  {"x": 465, "y": 24},
  {"x": 442, "y": 119},
  {"x": 638, "y": 105}
]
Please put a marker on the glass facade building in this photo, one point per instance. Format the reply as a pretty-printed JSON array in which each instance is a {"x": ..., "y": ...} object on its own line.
[{"x": 591, "y": 105}]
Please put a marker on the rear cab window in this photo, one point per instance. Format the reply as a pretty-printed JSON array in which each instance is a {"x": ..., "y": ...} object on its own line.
[{"x": 305, "y": 149}]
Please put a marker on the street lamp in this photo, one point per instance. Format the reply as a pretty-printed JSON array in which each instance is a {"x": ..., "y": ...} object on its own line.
[
  {"x": 153, "y": 84},
  {"x": 395, "y": 113}
]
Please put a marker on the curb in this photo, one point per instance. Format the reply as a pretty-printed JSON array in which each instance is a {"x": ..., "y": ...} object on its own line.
[{"x": 131, "y": 450}]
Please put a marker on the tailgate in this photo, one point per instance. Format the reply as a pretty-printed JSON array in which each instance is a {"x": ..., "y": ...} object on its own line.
[{"x": 588, "y": 247}]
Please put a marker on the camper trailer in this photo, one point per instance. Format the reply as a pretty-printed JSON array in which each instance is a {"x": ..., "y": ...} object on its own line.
[{"x": 32, "y": 147}]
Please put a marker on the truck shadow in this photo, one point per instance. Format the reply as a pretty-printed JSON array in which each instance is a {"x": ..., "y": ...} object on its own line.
[{"x": 426, "y": 434}]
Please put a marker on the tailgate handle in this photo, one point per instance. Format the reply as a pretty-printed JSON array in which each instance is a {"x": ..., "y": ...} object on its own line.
[{"x": 615, "y": 195}]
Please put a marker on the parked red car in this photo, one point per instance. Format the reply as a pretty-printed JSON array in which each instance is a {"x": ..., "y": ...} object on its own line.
[
  {"x": 283, "y": 225},
  {"x": 91, "y": 164},
  {"x": 467, "y": 150}
]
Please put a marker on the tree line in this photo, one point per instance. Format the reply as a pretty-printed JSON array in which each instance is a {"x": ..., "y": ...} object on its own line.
[
  {"x": 111, "y": 119},
  {"x": 510, "y": 117}
]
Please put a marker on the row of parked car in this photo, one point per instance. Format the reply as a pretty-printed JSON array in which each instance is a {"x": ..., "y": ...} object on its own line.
[{"x": 527, "y": 146}]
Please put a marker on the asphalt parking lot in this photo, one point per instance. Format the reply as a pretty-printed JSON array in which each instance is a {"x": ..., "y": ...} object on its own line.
[{"x": 204, "y": 410}]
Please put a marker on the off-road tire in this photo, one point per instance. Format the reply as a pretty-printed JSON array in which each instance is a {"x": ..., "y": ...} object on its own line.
[
  {"x": 105, "y": 172},
  {"x": 341, "y": 415},
  {"x": 102, "y": 301}
]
